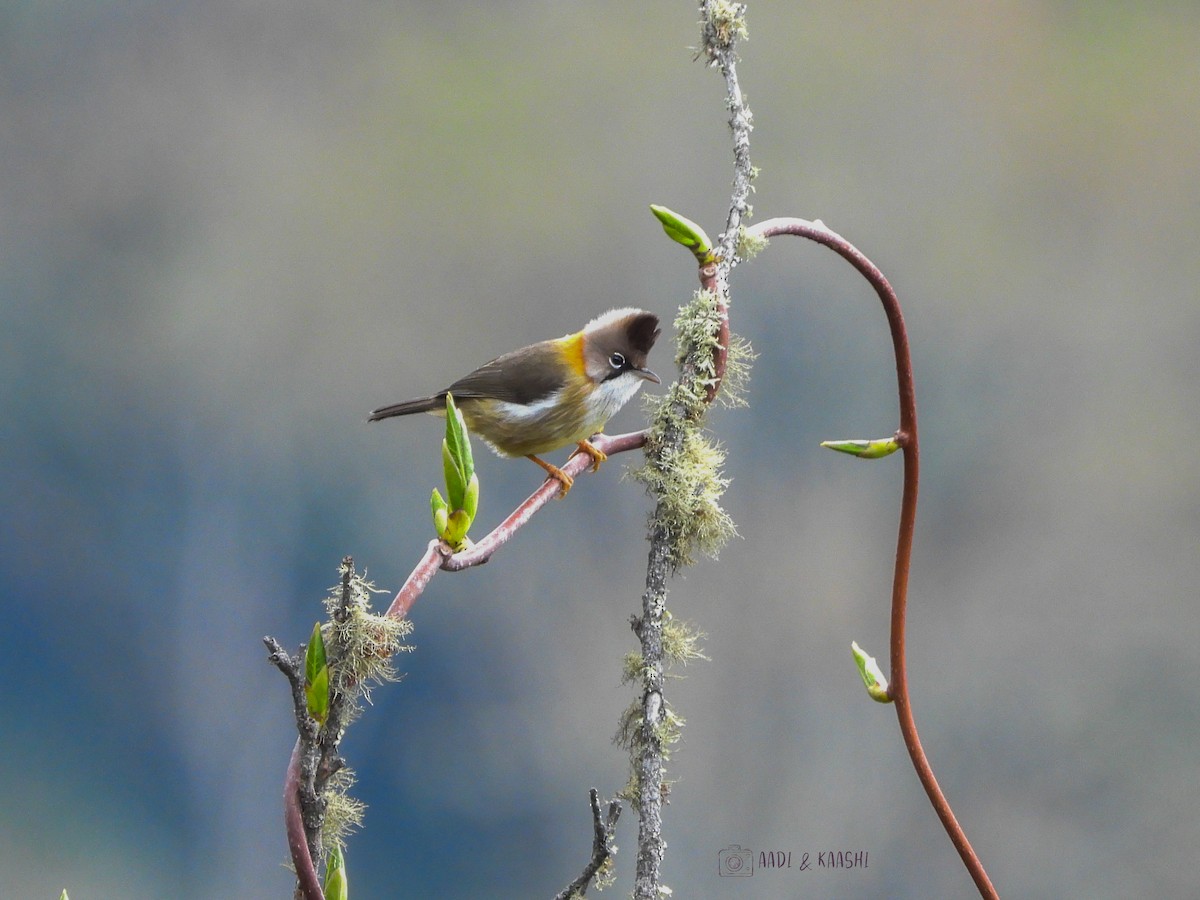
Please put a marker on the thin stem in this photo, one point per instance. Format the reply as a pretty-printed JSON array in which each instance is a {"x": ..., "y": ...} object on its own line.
[
  {"x": 420, "y": 576},
  {"x": 906, "y": 436}
]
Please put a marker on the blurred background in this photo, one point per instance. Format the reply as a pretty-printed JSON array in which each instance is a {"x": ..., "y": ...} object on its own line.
[{"x": 228, "y": 230}]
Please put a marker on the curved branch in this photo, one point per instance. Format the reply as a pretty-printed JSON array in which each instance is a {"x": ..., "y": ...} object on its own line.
[
  {"x": 906, "y": 436},
  {"x": 308, "y": 885}
]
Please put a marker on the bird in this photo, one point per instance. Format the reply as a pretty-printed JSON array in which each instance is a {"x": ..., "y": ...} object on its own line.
[{"x": 553, "y": 393}]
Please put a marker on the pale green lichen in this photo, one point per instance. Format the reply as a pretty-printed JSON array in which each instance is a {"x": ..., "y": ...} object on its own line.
[
  {"x": 629, "y": 726},
  {"x": 688, "y": 482},
  {"x": 632, "y": 668},
  {"x": 726, "y": 24},
  {"x": 359, "y": 646},
  {"x": 697, "y": 329},
  {"x": 738, "y": 360},
  {"x": 363, "y": 642},
  {"x": 343, "y": 813},
  {"x": 606, "y": 875},
  {"x": 632, "y": 735},
  {"x": 683, "y": 465},
  {"x": 750, "y": 245},
  {"x": 681, "y": 640}
]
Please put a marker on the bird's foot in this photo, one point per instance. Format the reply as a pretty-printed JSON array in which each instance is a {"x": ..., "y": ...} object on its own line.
[
  {"x": 598, "y": 456},
  {"x": 557, "y": 474}
]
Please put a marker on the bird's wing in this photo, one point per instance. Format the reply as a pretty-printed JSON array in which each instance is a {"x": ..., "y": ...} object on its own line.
[{"x": 523, "y": 376}]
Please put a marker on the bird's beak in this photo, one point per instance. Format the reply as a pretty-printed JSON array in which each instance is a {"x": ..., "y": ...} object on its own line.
[{"x": 648, "y": 375}]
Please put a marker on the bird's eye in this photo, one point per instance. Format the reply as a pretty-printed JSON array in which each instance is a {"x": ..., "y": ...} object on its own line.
[{"x": 617, "y": 360}]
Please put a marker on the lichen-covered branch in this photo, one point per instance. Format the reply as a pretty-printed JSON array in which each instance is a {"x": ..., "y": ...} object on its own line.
[
  {"x": 683, "y": 466},
  {"x": 722, "y": 25},
  {"x": 600, "y": 865},
  {"x": 318, "y": 811}
]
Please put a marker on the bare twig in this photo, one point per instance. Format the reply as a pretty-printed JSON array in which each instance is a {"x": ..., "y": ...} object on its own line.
[
  {"x": 603, "y": 829},
  {"x": 906, "y": 437}
]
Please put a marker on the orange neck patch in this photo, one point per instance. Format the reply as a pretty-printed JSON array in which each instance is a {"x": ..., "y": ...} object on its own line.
[{"x": 572, "y": 351}]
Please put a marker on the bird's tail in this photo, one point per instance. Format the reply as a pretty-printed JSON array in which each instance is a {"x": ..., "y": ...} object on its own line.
[{"x": 407, "y": 408}]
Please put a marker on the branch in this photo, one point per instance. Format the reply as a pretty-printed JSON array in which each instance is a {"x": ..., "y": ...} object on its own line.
[
  {"x": 299, "y": 795},
  {"x": 906, "y": 437},
  {"x": 315, "y": 759},
  {"x": 438, "y": 555},
  {"x": 308, "y": 885},
  {"x": 603, "y": 830},
  {"x": 722, "y": 24}
]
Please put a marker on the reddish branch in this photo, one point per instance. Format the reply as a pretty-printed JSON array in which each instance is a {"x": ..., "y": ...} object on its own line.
[
  {"x": 308, "y": 885},
  {"x": 438, "y": 556},
  {"x": 298, "y": 784},
  {"x": 906, "y": 436}
]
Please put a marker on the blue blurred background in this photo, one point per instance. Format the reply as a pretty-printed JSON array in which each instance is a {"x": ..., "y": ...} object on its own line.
[{"x": 229, "y": 230}]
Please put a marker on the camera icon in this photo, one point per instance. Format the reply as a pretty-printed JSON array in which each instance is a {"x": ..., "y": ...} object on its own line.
[{"x": 735, "y": 861}]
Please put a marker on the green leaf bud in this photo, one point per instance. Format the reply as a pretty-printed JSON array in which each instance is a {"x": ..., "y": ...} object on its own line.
[
  {"x": 316, "y": 676},
  {"x": 471, "y": 498},
  {"x": 436, "y": 502},
  {"x": 455, "y": 482},
  {"x": 336, "y": 886},
  {"x": 876, "y": 449},
  {"x": 872, "y": 676},
  {"x": 684, "y": 231},
  {"x": 456, "y": 529}
]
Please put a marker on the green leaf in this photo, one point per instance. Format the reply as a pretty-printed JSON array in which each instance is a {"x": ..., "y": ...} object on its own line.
[
  {"x": 316, "y": 676},
  {"x": 872, "y": 676},
  {"x": 455, "y": 483},
  {"x": 684, "y": 231},
  {"x": 441, "y": 521},
  {"x": 336, "y": 886},
  {"x": 436, "y": 502},
  {"x": 314, "y": 654},
  {"x": 865, "y": 449},
  {"x": 471, "y": 499},
  {"x": 460, "y": 441},
  {"x": 317, "y": 694},
  {"x": 456, "y": 454}
]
